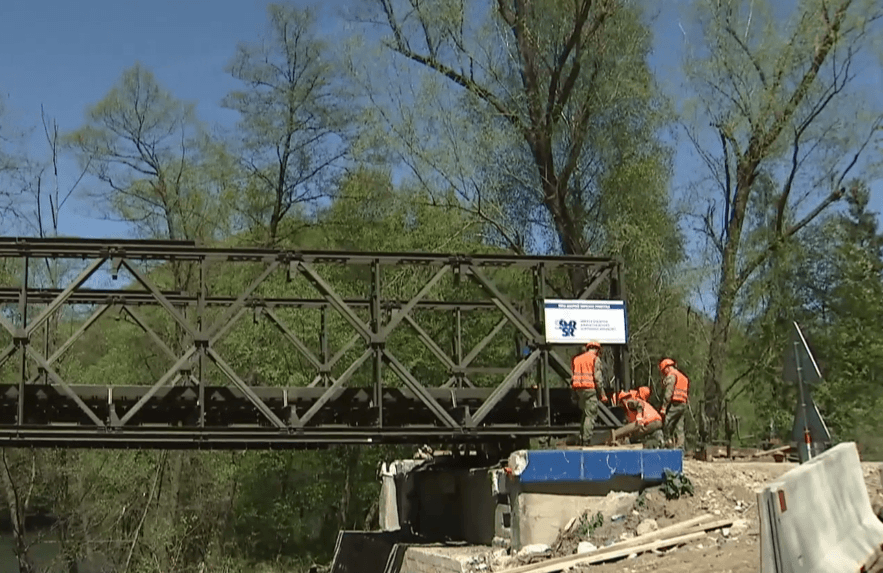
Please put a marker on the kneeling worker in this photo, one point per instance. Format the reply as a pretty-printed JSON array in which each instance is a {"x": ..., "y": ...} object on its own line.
[{"x": 644, "y": 420}]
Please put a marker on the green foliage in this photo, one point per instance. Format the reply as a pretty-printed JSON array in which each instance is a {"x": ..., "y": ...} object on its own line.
[
  {"x": 676, "y": 485},
  {"x": 587, "y": 525}
]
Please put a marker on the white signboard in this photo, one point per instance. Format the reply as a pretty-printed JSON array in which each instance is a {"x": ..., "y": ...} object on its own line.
[{"x": 581, "y": 321}]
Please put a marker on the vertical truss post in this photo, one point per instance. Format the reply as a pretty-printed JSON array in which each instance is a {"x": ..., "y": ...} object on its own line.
[
  {"x": 540, "y": 326},
  {"x": 323, "y": 344},
  {"x": 458, "y": 345},
  {"x": 46, "y": 349},
  {"x": 200, "y": 325},
  {"x": 378, "y": 341},
  {"x": 23, "y": 339},
  {"x": 622, "y": 358}
]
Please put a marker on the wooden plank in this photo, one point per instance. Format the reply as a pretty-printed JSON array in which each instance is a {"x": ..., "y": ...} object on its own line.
[
  {"x": 597, "y": 557},
  {"x": 675, "y": 528},
  {"x": 770, "y": 452},
  {"x": 691, "y": 525}
]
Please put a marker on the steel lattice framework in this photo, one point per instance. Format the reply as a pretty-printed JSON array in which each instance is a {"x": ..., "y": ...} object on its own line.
[{"x": 364, "y": 391}]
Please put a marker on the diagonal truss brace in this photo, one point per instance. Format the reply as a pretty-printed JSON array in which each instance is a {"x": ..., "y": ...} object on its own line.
[
  {"x": 333, "y": 389},
  {"x": 501, "y": 390},
  {"x": 64, "y": 385},
  {"x": 214, "y": 333},
  {"x": 418, "y": 389},
  {"x": 99, "y": 312},
  {"x": 249, "y": 393}
]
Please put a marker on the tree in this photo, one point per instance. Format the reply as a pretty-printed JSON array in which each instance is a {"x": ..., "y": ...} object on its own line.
[
  {"x": 538, "y": 91},
  {"x": 774, "y": 93},
  {"x": 848, "y": 334},
  {"x": 292, "y": 117},
  {"x": 12, "y": 165},
  {"x": 168, "y": 179},
  {"x": 148, "y": 148}
]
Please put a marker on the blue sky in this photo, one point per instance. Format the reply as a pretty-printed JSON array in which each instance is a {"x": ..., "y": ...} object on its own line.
[{"x": 67, "y": 55}]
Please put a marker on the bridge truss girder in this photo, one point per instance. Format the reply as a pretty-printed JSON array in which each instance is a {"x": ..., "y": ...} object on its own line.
[{"x": 179, "y": 409}]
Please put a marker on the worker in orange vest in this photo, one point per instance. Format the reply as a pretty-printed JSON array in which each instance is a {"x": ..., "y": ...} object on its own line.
[
  {"x": 643, "y": 419},
  {"x": 674, "y": 403},
  {"x": 587, "y": 382}
]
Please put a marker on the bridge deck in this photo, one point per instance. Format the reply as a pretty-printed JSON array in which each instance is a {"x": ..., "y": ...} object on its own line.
[{"x": 171, "y": 417}]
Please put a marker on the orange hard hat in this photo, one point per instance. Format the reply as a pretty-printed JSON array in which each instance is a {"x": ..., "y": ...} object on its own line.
[
  {"x": 593, "y": 344},
  {"x": 666, "y": 362},
  {"x": 623, "y": 395},
  {"x": 643, "y": 392}
]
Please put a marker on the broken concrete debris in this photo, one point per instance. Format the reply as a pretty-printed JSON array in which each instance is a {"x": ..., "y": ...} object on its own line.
[
  {"x": 543, "y": 522},
  {"x": 585, "y": 547},
  {"x": 646, "y": 526}
]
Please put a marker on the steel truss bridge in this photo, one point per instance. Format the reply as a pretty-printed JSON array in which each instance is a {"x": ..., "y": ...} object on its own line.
[{"x": 351, "y": 340}]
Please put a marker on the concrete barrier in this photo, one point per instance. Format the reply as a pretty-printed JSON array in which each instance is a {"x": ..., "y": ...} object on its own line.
[{"x": 817, "y": 518}]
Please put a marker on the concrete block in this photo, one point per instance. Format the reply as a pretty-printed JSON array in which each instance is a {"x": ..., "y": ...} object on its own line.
[
  {"x": 539, "y": 517},
  {"x": 593, "y": 465},
  {"x": 817, "y": 518},
  {"x": 503, "y": 521}
]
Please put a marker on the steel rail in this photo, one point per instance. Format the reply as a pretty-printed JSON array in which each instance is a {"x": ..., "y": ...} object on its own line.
[{"x": 173, "y": 250}]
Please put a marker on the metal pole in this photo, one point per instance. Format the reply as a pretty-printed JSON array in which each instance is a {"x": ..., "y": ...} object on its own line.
[
  {"x": 621, "y": 357},
  {"x": 323, "y": 343},
  {"x": 378, "y": 345},
  {"x": 23, "y": 311},
  {"x": 541, "y": 328},
  {"x": 458, "y": 345},
  {"x": 807, "y": 440},
  {"x": 200, "y": 319}
]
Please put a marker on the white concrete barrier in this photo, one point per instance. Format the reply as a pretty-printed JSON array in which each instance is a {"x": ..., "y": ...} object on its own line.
[{"x": 817, "y": 518}]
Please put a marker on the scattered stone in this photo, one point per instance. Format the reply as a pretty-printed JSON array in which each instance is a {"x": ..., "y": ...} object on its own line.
[
  {"x": 739, "y": 527},
  {"x": 633, "y": 556},
  {"x": 585, "y": 547},
  {"x": 535, "y": 549},
  {"x": 726, "y": 531},
  {"x": 647, "y": 526}
]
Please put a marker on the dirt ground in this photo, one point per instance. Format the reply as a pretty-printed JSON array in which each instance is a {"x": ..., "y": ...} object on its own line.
[{"x": 724, "y": 489}]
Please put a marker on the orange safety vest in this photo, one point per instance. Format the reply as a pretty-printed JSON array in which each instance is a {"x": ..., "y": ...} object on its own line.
[
  {"x": 583, "y": 368},
  {"x": 649, "y": 414},
  {"x": 682, "y": 386},
  {"x": 625, "y": 396}
]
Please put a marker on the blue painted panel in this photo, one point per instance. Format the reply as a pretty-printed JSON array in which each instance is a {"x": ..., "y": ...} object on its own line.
[{"x": 599, "y": 465}]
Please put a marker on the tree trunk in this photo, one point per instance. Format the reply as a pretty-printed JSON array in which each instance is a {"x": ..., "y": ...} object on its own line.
[
  {"x": 17, "y": 514},
  {"x": 351, "y": 467},
  {"x": 727, "y": 289}
]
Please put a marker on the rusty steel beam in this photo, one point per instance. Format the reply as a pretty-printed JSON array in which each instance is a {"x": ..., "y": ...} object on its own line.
[
  {"x": 186, "y": 251},
  {"x": 125, "y": 296}
]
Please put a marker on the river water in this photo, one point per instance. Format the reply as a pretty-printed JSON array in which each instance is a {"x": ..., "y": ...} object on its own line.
[{"x": 44, "y": 555}]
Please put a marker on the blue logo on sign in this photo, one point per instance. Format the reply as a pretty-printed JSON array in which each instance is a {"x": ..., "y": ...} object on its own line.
[{"x": 568, "y": 328}]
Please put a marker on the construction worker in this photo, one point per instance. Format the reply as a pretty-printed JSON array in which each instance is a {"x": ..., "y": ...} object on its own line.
[
  {"x": 644, "y": 420},
  {"x": 587, "y": 382},
  {"x": 674, "y": 402}
]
